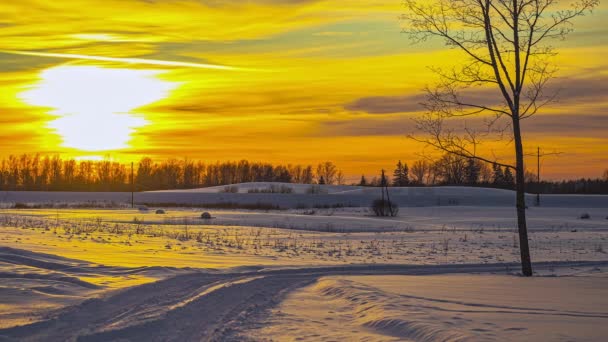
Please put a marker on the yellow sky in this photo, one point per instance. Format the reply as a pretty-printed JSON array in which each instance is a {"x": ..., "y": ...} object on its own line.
[{"x": 297, "y": 81}]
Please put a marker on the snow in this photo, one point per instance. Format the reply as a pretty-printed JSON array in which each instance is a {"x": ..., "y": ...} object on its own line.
[
  {"x": 451, "y": 307},
  {"x": 435, "y": 272},
  {"x": 331, "y": 196},
  {"x": 234, "y": 305},
  {"x": 34, "y": 285}
]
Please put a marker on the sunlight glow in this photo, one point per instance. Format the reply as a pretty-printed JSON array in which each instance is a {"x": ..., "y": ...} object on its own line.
[
  {"x": 89, "y": 158},
  {"x": 95, "y": 105}
]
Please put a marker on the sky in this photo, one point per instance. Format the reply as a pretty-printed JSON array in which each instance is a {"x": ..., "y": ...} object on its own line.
[{"x": 294, "y": 81}]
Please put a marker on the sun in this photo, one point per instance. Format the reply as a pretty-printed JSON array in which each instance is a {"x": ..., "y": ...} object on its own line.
[{"x": 95, "y": 106}]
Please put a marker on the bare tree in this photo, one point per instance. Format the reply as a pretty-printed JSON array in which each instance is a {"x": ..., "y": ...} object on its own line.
[
  {"x": 509, "y": 61},
  {"x": 328, "y": 171},
  {"x": 340, "y": 178},
  {"x": 418, "y": 170}
]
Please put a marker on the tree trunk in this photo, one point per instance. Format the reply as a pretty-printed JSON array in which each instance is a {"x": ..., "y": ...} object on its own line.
[{"x": 524, "y": 248}]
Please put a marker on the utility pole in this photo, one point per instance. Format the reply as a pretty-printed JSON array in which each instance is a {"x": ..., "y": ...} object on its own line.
[
  {"x": 382, "y": 182},
  {"x": 538, "y": 176},
  {"x": 538, "y": 157},
  {"x": 132, "y": 187}
]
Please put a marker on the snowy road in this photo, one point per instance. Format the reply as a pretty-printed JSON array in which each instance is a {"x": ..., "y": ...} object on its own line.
[{"x": 211, "y": 306}]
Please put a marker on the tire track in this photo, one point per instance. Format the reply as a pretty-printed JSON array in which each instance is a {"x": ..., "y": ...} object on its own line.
[{"x": 209, "y": 307}]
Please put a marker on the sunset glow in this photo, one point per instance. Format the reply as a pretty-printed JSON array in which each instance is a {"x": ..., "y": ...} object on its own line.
[
  {"x": 293, "y": 82},
  {"x": 95, "y": 106}
]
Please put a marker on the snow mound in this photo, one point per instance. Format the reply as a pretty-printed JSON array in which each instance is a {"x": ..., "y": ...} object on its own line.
[
  {"x": 448, "y": 307},
  {"x": 268, "y": 195},
  {"x": 244, "y": 188},
  {"x": 377, "y": 310}
]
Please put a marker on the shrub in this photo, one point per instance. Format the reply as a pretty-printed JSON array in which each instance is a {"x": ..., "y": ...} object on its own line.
[
  {"x": 231, "y": 189},
  {"x": 218, "y": 205},
  {"x": 285, "y": 189},
  {"x": 316, "y": 189},
  {"x": 272, "y": 189},
  {"x": 585, "y": 216},
  {"x": 160, "y": 211},
  {"x": 382, "y": 208},
  {"x": 205, "y": 215}
]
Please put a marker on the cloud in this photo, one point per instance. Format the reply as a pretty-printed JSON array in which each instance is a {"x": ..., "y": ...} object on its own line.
[
  {"x": 337, "y": 76},
  {"x": 549, "y": 125},
  {"x": 140, "y": 61},
  {"x": 568, "y": 91},
  {"x": 387, "y": 104},
  {"x": 13, "y": 63}
]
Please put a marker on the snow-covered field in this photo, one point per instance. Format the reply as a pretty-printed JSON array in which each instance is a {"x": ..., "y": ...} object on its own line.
[
  {"x": 453, "y": 307},
  {"x": 324, "y": 196},
  {"x": 436, "y": 272}
]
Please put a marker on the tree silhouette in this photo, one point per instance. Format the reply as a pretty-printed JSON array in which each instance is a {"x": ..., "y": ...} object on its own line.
[
  {"x": 472, "y": 171},
  {"x": 508, "y": 179},
  {"x": 399, "y": 175},
  {"x": 507, "y": 43},
  {"x": 363, "y": 181},
  {"x": 498, "y": 176},
  {"x": 507, "y": 46}
]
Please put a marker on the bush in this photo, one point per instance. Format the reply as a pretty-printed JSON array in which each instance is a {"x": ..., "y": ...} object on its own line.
[
  {"x": 160, "y": 211},
  {"x": 272, "y": 189},
  {"x": 231, "y": 189},
  {"x": 585, "y": 216},
  {"x": 205, "y": 215},
  {"x": 382, "y": 208},
  {"x": 315, "y": 190},
  {"x": 217, "y": 205}
]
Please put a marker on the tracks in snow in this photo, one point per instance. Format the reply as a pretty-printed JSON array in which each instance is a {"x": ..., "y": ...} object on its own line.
[{"x": 208, "y": 306}]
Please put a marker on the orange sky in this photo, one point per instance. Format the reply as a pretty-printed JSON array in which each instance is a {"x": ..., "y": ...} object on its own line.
[{"x": 280, "y": 81}]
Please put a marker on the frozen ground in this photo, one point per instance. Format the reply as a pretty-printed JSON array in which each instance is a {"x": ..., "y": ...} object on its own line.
[{"x": 433, "y": 273}]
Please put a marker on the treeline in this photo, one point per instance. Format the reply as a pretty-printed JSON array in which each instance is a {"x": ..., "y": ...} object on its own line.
[
  {"x": 53, "y": 173},
  {"x": 455, "y": 170}
]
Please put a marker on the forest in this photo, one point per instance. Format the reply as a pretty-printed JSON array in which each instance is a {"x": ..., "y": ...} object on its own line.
[{"x": 53, "y": 173}]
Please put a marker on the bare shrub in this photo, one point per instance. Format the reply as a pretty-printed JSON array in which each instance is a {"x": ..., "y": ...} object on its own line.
[
  {"x": 316, "y": 190},
  {"x": 230, "y": 189},
  {"x": 383, "y": 208},
  {"x": 272, "y": 189}
]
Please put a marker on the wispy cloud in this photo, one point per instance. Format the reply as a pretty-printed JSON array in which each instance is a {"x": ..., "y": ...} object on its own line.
[
  {"x": 338, "y": 76},
  {"x": 140, "y": 61}
]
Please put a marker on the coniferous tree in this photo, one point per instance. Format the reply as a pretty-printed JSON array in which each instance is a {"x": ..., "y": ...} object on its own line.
[
  {"x": 406, "y": 174},
  {"x": 499, "y": 176},
  {"x": 400, "y": 175},
  {"x": 363, "y": 181},
  {"x": 509, "y": 180},
  {"x": 321, "y": 180},
  {"x": 472, "y": 172}
]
